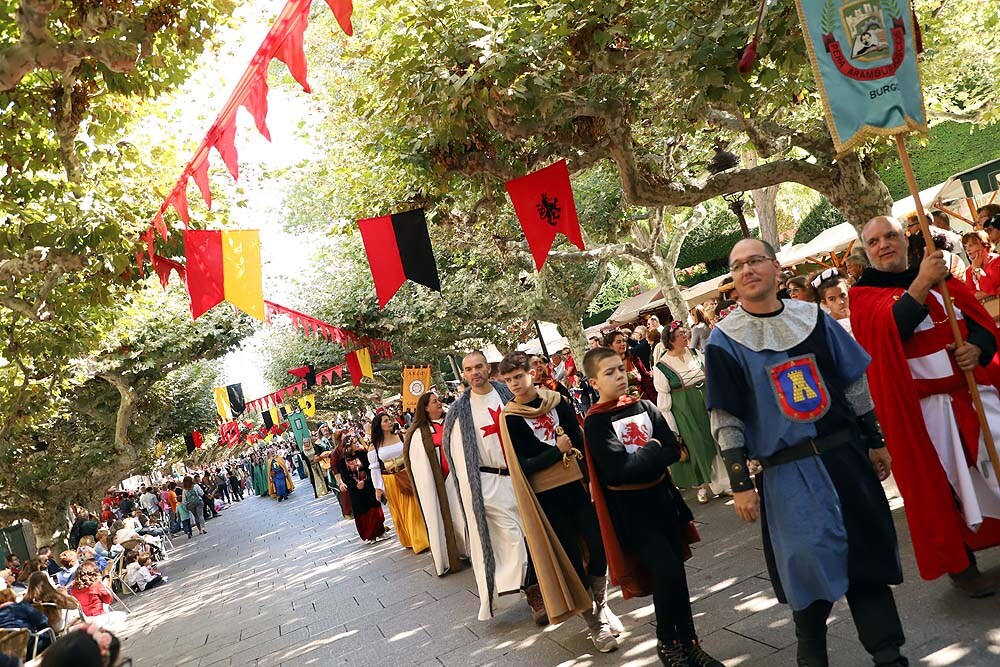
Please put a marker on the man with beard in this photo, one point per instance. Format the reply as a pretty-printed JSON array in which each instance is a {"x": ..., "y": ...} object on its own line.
[
  {"x": 475, "y": 456},
  {"x": 921, "y": 394}
]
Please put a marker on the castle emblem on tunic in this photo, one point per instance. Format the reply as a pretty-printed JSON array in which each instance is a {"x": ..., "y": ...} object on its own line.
[{"x": 799, "y": 389}]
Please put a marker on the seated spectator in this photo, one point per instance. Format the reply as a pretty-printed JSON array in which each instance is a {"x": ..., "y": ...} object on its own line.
[
  {"x": 101, "y": 546},
  {"x": 51, "y": 602},
  {"x": 88, "y": 553},
  {"x": 93, "y": 596},
  {"x": 90, "y": 646},
  {"x": 800, "y": 289},
  {"x": 7, "y": 579},
  {"x": 126, "y": 505},
  {"x": 51, "y": 566},
  {"x": 139, "y": 572},
  {"x": 32, "y": 566},
  {"x": 70, "y": 562},
  {"x": 107, "y": 515},
  {"x": 13, "y": 564},
  {"x": 983, "y": 274},
  {"x": 18, "y": 615}
]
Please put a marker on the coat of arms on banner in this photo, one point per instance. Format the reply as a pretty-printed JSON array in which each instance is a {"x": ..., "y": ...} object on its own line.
[
  {"x": 864, "y": 24},
  {"x": 864, "y": 55},
  {"x": 798, "y": 386}
]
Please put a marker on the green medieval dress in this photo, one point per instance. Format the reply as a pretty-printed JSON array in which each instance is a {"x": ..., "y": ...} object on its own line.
[
  {"x": 680, "y": 384},
  {"x": 260, "y": 479}
]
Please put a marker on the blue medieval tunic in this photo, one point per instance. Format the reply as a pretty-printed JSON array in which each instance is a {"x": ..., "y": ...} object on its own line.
[{"x": 825, "y": 519}]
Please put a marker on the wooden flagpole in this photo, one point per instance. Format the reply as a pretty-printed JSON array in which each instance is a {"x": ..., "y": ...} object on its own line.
[{"x": 911, "y": 182}]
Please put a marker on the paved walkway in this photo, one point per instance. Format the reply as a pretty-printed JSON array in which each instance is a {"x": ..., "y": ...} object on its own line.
[{"x": 291, "y": 584}]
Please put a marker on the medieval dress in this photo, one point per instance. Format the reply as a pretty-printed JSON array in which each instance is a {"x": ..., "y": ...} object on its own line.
[
  {"x": 680, "y": 386},
  {"x": 388, "y": 473},
  {"x": 437, "y": 494},
  {"x": 475, "y": 456},
  {"x": 368, "y": 516},
  {"x": 951, "y": 496},
  {"x": 279, "y": 479},
  {"x": 260, "y": 482},
  {"x": 788, "y": 389}
]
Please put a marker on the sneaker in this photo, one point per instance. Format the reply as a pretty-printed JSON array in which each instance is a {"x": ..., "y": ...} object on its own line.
[
  {"x": 671, "y": 655},
  {"x": 696, "y": 657},
  {"x": 600, "y": 633},
  {"x": 703, "y": 495}
]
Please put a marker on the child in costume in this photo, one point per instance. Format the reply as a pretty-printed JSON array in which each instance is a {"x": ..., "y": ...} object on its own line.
[{"x": 645, "y": 523}]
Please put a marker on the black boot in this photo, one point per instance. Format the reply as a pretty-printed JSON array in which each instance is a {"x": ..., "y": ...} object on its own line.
[
  {"x": 672, "y": 654},
  {"x": 696, "y": 656}
]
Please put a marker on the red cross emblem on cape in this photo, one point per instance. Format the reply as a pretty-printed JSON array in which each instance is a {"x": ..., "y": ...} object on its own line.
[
  {"x": 799, "y": 389},
  {"x": 494, "y": 428}
]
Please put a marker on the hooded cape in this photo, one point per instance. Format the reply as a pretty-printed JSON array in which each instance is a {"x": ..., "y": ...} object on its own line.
[
  {"x": 562, "y": 591},
  {"x": 270, "y": 480},
  {"x": 937, "y": 528}
]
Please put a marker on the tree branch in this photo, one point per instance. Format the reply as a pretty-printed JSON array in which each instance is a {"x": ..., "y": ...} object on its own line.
[
  {"x": 643, "y": 190},
  {"x": 38, "y": 49}
]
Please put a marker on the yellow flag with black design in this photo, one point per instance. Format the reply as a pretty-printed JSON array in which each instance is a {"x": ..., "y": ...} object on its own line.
[{"x": 308, "y": 404}]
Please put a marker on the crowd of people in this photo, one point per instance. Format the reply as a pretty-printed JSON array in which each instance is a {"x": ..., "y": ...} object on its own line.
[
  {"x": 795, "y": 395},
  {"x": 119, "y": 550}
]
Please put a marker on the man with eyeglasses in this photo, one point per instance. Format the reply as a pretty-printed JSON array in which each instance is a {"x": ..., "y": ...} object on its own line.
[
  {"x": 786, "y": 387},
  {"x": 918, "y": 381}
]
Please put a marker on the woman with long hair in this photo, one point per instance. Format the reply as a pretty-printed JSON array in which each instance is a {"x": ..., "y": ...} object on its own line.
[
  {"x": 336, "y": 454},
  {"x": 354, "y": 478},
  {"x": 391, "y": 481},
  {"x": 640, "y": 383},
  {"x": 51, "y": 602},
  {"x": 433, "y": 486},
  {"x": 193, "y": 499},
  {"x": 680, "y": 381}
]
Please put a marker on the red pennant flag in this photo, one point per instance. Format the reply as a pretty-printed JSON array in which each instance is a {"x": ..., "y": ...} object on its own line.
[
  {"x": 160, "y": 226},
  {"x": 291, "y": 52},
  {"x": 140, "y": 256},
  {"x": 339, "y": 370},
  {"x": 203, "y": 251},
  {"x": 180, "y": 202},
  {"x": 399, "y": 247},
  {"x": 199, "y": 440},
  {"x": 200, "y": 174},
  {"x": 226, "y": 145},
  {"x": 256, "y": 102},
  {"x": 544, "y": 205},
  {"x": 342, "y": 10}
]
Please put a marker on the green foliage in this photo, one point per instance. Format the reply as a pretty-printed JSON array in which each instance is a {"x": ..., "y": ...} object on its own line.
[
  {"x": 155, "y": 354},
  {"x": 823, "y": 216},
  {"x": 949, "y": 149},
  {"x": 624, "y": 280},
  {"x": 711, "y": 241}
]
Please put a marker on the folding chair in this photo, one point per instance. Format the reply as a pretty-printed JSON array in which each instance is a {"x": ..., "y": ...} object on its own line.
[
  {"x": 37, "y": 635},
  {"x": 113, "y": 576},
  {"x": 14, "y": 642}
]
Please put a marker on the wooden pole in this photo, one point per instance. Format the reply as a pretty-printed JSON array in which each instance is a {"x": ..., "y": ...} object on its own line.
[{"x": 911, "y": 182}]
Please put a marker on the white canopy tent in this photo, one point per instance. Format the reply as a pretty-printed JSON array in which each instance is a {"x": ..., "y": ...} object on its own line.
[
  {"x": 554, "y": 341},
  {"x": 959, "y": 196},
  {"x": 630, "y": 309}
]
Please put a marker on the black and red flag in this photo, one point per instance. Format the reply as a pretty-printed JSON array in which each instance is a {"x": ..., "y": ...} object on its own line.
[
  {"x": 193, "y": 440},
  {"x": 544, "y": 205},
  {"x": 307, "y": 373},
  {"x": 399, "y": 247}
]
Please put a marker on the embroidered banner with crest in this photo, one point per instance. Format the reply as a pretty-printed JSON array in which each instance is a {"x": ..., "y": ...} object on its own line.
[
  {"x": 864, "y": 56},
  {"x": 416, "y": 382}
]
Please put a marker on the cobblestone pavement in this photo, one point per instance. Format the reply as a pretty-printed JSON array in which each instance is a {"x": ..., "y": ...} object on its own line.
[{"x": 291, "y": 584}]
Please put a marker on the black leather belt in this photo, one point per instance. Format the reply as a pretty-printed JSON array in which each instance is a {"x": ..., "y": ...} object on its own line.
[
  {"x": 808, "y": 448},
  {"x": 503, "y": 472}
]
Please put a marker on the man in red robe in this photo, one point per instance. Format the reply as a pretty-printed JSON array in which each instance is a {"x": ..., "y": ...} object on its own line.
[{"x": 917, "y": 379}]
